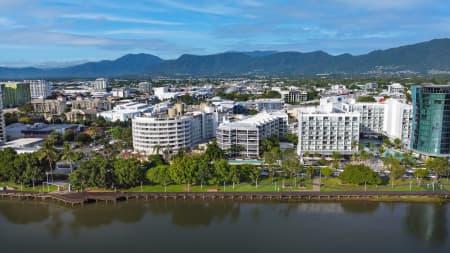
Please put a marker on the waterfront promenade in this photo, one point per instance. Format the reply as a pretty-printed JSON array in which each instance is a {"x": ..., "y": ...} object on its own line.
[{"x": 80, "y": 198}]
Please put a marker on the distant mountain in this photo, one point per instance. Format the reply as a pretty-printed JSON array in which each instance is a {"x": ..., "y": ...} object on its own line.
[{"x": 426, "y": 57}]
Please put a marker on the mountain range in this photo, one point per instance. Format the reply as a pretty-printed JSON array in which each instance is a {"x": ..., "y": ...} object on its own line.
[{"x": 424, "y": 58}]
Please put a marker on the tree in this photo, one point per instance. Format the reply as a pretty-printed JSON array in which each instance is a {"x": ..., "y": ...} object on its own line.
[
  {"x": 253, "y": 173},
  {"x": 221, "y": 171},
  {"x": 203, "y": 172},
  {"x": 438, "y": 165},
  {"x": 159, "y": 175},
  {"x": 7, "y": 158},
  {"x": 420, "y": 174},
  {"x": 127, "y": 172},
  {"x": 48, "y": 152},
  {"x": 82, "y": 138},
  {"x": 155, "y": 160},
  {"x": 387, "y": 142},
  {"x": 367, "y": 99},
  {"x": 235, "y": 174},
  {"x": 69, "y": 135},
  {"x": 397, "y": 143},
  {"x": 271, "y": 158},
  {"x": 96, "y": 172},
  {"x": 68, "y": 155},
  {"x": 395, "y": 168},
  {"x": 290, "y": 163},
  {"x": 213, "y": 152},
  {"x": 359, "y": 174},
  {"x": 326, "y": 171},
  {"x": 292, "y": 138},
  {"x": 381, "y": 150}
]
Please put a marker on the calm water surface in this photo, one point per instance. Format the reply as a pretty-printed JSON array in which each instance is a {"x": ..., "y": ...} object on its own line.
[{"x": 190, "y": 226}]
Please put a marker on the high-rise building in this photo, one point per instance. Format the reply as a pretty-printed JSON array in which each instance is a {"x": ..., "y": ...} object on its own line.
[
  {"x": 371, "y": 116},
  {"x": 2, "y": 121},
  {"x": 397, "y": 121},
  {"x": 430, "y": 133},
  {"x": 173, "y": 131},
  {"x": 145, "y": 87},
  {"x": 16, "y": 94},
  {"x": 39, "y": 88},
  {"x": 327, "y": 130},
  {"x": 243, "y": 137},
  {"x": 100, "y": 84}
]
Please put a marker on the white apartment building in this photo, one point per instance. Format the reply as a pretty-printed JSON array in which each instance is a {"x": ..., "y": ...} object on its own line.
[
  {"x": 125, "y": 112},
  {"x": 39, "y": 88},
  {"x": 2, "y": 121},
  {"x": 398, "y": 120},
  {"x": 267, "y": 104},
  {"x": 162, "y": 93},
  {"x": 156, "y": 134},
  {"x": 372, "y": 116},
  {"x": 100, "y": 84},
  {"x": 244, "y": 136},
  {"x": 395, "y": 88},
  {"x": 325, "y": 130},
  {"x": 145, "y": 87},
  {"x": 120, "y": 92}
]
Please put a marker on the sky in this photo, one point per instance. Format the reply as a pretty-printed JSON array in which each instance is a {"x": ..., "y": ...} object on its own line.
[{"x": 48, "y": 33}]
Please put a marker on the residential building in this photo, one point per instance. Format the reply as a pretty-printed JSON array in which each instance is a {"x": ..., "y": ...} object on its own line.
[
  {"x": 172, "y": 131},
  {"x": 371, "y": 116},
  {"x": 292, "y": 95},
  {"x": 2, "y": 121},
  {"x": 91, "y": 104},
  {"x": 39, "y": 88},
  {"x": 81, "y": 115},
  {"x": 243, "y": 137},
  {"x": 430, "y": 133},
  {"x": 100, "y": 84},
  {"x": 16, "y": 94},
  {"x": 395, "y": 88},
  {"x": 398, "y": 120},
  {"x": 325, "y": 130},
  {"x": 126, "y": 112},
  {"x": 163, "y": 93},
  {"x": 273, "y": 104},
  {"x": 120, "y": 92},
  {"x": 24, "y": 145},
  {"x": 49, "y": 107},
  {"x": 145, "y": 87}
]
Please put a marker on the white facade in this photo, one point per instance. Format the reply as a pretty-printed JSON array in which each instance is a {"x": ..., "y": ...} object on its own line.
[
  {"x": 395, "y": 88},
  {"x": 398, "y": 120},
  {"x": 125, "y": 112},
  {"x": 371, "y": 116},
  {"x": 162, "y": 93},
  {"x": 248, "y": 133},
  {"x": 325, "y": 132},
  {"x": 152, "y": 135},
  {"x": 39, "y": 88},
  {"x": 2, "y": 121},
  {"x": 120, "y": 92},
  {"x": 273, "y": 104},
  {"x": 100, "y": 84},
  {"x": 145, "y": 87}
]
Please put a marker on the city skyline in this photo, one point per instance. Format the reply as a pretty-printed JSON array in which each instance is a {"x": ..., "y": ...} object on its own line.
[{"x": 63, "y": 32}]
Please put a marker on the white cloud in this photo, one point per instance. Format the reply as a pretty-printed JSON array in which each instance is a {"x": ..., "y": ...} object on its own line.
[
  {"x": 382, "y": 4},
  {"x": 104, "y": 17},
  {"x": 215, "y": 9}
]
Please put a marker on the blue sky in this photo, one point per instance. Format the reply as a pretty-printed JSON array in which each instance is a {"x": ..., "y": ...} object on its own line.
[{"x": 53, "y": 32}]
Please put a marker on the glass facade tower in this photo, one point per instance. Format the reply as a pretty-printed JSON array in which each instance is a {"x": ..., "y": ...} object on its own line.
[{"x": 431, "y": 120}]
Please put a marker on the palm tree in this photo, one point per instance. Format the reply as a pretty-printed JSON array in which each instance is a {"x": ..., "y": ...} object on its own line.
[
  {"x": 68, "y": 155},
  {"x": 48, "y": 152}
]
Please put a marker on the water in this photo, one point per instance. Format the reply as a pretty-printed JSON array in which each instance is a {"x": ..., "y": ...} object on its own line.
[{"x": 222, "y": 226}]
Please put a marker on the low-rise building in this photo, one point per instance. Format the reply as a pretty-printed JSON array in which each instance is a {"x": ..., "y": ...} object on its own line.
[
  {"x": 163, "y": 93},
  {"x": 126, "y": 112},
  {"x": 24, "y": 145},
  {"x": 243, "y": 137},
  {"x": 42, "y": 130},
  {"x": 81, "y": 115},
  {"x": 267, "y": 104},
  {"x": 49, "y": 107}
]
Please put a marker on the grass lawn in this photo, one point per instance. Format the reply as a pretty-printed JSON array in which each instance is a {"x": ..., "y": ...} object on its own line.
[
  {"x": 334, "y": 184},
  {"x": 265, "y": 185},
  {"x": 37, "y": 188}
]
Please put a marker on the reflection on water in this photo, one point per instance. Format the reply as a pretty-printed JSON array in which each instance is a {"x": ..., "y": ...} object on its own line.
[
  {"x": 427, "y": 222},
  {"x": 423, "y": 224}
]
